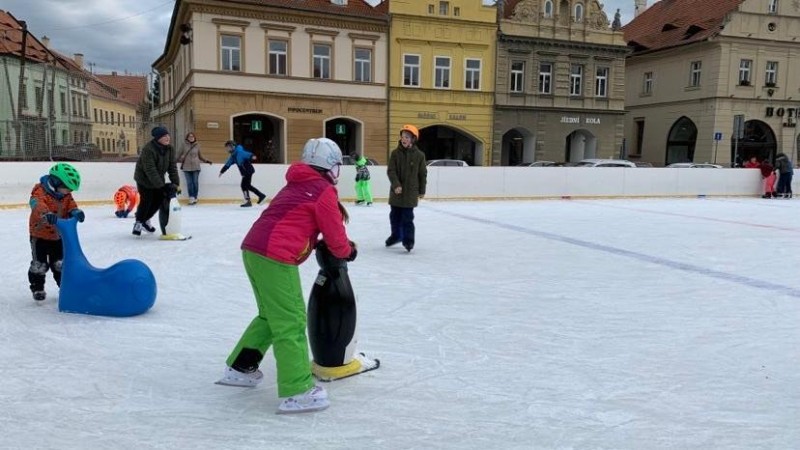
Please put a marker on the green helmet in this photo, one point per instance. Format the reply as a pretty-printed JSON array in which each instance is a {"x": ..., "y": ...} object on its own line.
[
  {"x": 67, "y": 174},
  {"x": 361, "y": 162}
]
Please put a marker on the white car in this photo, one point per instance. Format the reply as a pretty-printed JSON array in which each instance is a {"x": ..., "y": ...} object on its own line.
[
  {"x": 448, "y": 163},
  {"x": 695, "y": 166},
  {"x": 604, "y": 163}
]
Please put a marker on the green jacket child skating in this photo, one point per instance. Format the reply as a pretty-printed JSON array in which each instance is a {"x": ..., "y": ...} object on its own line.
[{"x": 363, "y": 185}]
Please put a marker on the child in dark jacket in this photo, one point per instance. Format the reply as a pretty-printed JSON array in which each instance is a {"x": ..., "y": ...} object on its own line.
[
  {"x": 278, "y": 242},
  {"x": 51, "y": 199},
  {"x": 244, "y": 161}
]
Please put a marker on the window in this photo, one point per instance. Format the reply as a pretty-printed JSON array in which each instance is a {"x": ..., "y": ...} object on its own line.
[
  {"x": 23, "y": 100},
  {"x": 517, "y": 76},
  {"x": 322, "y": 61},
  {"x": 639, "y": 136},
  {"x": 601, "y": 82},
  {"x": 62, "y": 97},
  {"x": 545, "y": 78},
  {"x": 456, "y": 11},
  {"x": 430, "y": 9},
  {"x": 95, "y": 115},
  {"x": 444, "y": 8},
  {"x": 548, "y": 8},
  {"x": 771, "y": 77},
  {"x": 441, "y": 74},
  {"x": 578, "y": 13},
  {"x": 410, "y": 70},
  {"x": 85, "y": 108},
  {"x": 772, "y": 7},
  {"x": 38, "y": 96},
  {"x": 112, "y": 118},
  {"x": 74, "y": 105},
  {"x": 472, "y": 75},
  {"x": 744, "y": 71},
  {"x": 363, "y": 68},
  {"x": 575, "y": 79},
  {"x": 647, "y": 88},
  {"x": 278, "y": 54},
  {"x": 231, "y": 52},
  {"x": 694, "y": 73},
  {"x": 105, "y": 113}
]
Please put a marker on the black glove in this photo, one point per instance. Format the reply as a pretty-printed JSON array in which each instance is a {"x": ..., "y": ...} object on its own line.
[
  {"x": 170, "y": 190},
  {"x": 51, "y": 218},
  {"x": 353, "y": 252},
  {"x": 78, "y": 214}
]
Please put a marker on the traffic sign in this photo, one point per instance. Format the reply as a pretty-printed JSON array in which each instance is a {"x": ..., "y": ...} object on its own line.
[{"x": 717, "y": 136}]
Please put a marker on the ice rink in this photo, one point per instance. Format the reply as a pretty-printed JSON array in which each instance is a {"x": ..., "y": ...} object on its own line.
[{"x": 554, "y": 324}]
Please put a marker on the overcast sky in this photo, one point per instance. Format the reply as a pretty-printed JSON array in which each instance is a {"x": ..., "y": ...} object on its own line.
[{"x": 125, "y": 35}]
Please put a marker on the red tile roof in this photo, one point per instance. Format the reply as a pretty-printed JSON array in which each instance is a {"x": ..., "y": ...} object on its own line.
[
  {"x": 132, "y": 88},
  {"x": 11, "y": 40},
  {"x": 672, "y": 23}
]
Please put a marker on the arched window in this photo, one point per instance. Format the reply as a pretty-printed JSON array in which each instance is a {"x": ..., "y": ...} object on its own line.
[
  {"x": 578, "y": 12},
  {"x": 548, "y": 8}
]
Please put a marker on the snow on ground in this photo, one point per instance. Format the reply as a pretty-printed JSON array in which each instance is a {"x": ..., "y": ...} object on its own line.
[{"x": 604, "y": 324}]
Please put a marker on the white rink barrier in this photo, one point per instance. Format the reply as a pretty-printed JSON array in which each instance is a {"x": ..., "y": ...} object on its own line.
[{"x": 100, "y": 180}]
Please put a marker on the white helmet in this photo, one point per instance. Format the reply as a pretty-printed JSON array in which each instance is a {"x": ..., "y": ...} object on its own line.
[{"x": 322, "y": 153}]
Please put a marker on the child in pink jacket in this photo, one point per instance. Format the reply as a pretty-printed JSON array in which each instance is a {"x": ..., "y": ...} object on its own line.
[{"x": 279, "y": 241}]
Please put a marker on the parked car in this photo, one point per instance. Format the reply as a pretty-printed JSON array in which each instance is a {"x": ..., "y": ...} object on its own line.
[
  {"x": 448, "y": 163},
  {"x": 594, "y": 162},
  {"x": 643, "y": 164},
  {"x": 688, "y": 165},
  {"x": 538, "y": 164}
]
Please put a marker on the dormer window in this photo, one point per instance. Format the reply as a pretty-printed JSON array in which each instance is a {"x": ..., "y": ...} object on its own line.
[
  {"x": 548, "y": 9},
  {"x": 578, "y": 12}
]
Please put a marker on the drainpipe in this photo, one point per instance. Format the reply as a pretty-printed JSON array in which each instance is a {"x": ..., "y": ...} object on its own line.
[{"x": 22, "y": 56}]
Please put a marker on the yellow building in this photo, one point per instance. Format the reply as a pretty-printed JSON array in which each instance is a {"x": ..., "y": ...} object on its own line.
[
  {"x": 442, "y": 56},
  {"x": 114, "y": 121}
]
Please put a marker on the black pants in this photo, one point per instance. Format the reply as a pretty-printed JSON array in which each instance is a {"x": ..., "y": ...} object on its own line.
[
  {"x": 402, "y": 220},
  {"x": 785, "y": 183},
  {"x": 150, "y": 201},
  {"x": 45, "y": 254},
  {"x": 247, "y": 187}
]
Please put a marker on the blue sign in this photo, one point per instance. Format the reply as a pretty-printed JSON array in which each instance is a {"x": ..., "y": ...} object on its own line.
[{"x": 717, "y": 136}]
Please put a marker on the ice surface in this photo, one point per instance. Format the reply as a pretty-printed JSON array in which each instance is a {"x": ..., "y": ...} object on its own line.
[{"x": 624, "y": 324}]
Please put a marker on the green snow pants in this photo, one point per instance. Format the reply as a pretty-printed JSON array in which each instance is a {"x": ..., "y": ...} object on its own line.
[
  {"x": 363, "y": 191},
  {"x": 281, "y": 322}
]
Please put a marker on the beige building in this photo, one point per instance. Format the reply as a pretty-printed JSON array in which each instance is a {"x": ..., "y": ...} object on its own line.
[
  {"x": 695, "y": 68},
  {"x": 560, "y": 83},
  {"x": 271, "y": 74},
  {"x": 114, "y": 121}
]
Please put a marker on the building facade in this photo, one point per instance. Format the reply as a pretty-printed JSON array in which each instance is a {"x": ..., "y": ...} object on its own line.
[
  {"x": 442, "y": 79},
  {"x": 271, "y": 75},
  {"x": 129, "y": 90},
  {"x": 36, "y": 90},
  {"x": 114, "y": 121},
  {"x": 713, "y": 84},
  {"x": 560, "y": 83}
]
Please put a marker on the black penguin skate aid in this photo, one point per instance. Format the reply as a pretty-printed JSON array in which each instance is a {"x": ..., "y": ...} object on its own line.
[{"x": 332, "y": 322}]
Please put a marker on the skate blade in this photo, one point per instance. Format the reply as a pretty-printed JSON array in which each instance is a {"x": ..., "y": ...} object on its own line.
[
  {"x": 360, "y": 364},
  {"x": 304, "y": 410},
  {"x": 173, "y": 237},
  {"x": 224, "y": 382}
]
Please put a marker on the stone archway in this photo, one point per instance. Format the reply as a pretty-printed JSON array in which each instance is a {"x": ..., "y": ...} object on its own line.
[
  {"x": 580, "y": 144},
  {"x": 447, "y": 142},
  {"x": 346, "y": 132},
  {"x": 681, "y": 141},
  {"x": 518, "y": 146},
  {"x": 262, "y": 134}
]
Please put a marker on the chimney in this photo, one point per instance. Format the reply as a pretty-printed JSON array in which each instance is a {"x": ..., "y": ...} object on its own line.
[
  {"x": 46, "y": 41},
  {"x": 78, "y": 58},
  {"x": 639, "y": 6},
  {"x": 113, "y": 73}
]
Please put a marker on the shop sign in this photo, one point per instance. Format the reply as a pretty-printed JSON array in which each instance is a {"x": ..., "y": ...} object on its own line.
[
  {"x": 427, "y": 115},
  {"x": 789, "y": 113},
  {"x": 587, "y": 120},
  {"x": 305, "y": 110}
]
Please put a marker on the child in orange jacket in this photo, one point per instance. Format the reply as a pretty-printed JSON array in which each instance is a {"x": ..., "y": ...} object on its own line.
[{"x": 51, "y": 199}]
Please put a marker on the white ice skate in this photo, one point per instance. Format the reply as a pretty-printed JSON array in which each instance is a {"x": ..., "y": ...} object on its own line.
[
  {"x": 314, "y": 399},
  {"x": 233, "y": 377}
]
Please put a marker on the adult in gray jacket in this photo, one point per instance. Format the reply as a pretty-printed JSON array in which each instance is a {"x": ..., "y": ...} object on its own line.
[
  {"x": 785, "y": 172},
  {"x": 156, "y": 160},
  {"x": 190, "y": 160},
  {"x": 408, "y": 175}
]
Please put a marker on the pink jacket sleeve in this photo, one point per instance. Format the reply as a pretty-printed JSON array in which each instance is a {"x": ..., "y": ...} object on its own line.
[{"x": 331, "y": 223}]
